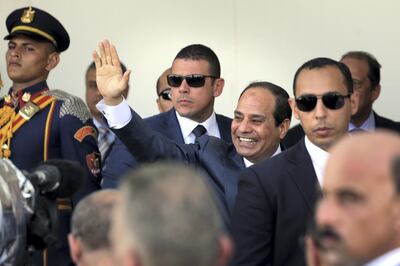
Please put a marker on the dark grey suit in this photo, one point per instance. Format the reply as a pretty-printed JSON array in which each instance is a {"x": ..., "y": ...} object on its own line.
[
  {"x": 275, "y": 199},
  {"x": 218, "y": 159}
]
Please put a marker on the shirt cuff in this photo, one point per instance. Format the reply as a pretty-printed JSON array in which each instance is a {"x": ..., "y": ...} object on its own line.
[{"x": 117, "y": 116}]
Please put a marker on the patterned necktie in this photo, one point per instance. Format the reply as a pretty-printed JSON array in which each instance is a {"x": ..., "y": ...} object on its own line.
[
  {"x": 199, "y": 130},
  {"x": 104, "y": 144}
]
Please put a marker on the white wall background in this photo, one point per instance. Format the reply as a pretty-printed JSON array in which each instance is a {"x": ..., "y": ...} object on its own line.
[{"x": 254, "y": 39}]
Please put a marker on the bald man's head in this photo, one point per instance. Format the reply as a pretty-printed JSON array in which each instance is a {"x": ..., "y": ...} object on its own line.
[{"x": 359, "y": 214}]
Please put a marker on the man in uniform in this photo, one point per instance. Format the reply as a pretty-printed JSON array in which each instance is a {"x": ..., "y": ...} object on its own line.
[{"x": 38, "y": 124}]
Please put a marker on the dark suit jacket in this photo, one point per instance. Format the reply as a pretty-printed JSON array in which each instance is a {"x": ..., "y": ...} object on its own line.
[
  {"x": 275, "y": 200},
  {"x": 296, "y": 133},
  {"x": 218, "y": 159},
  {"x": 168, "y": 125},
  {"x": 293, "y": 136},
  {"x": 385, "y": 123},
  {"x": 117, "y": 162}
]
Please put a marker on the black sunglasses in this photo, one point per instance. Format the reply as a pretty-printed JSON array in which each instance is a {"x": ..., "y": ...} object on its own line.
[
  {"x": 166, "y": 94},
  {"x": 195, "y": 80},
  {"x": 331, "y": 100}
]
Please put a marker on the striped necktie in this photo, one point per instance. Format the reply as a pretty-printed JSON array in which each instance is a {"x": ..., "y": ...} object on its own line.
[{"x": 104, "y": 144}]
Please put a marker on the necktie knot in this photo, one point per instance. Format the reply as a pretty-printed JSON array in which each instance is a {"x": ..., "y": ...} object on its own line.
[{"x": 199, "y": 130}]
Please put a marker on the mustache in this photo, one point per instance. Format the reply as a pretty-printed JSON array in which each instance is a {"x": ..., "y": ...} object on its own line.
[{"x": 323, "y": 233}]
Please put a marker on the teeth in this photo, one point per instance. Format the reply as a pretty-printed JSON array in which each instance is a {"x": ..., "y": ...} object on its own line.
[{"x": 247, "y": 140}]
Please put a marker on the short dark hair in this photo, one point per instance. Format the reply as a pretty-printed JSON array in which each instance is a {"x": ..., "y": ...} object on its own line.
[
  {"x": 93, "y": 66},
  {"x": 396, "y": 172},
  {"x": 282, "y": 108},
  {"x": 374, "y": 68},
  {"x": 201, "y": 52},
  {"x": 322, "y": 62}
]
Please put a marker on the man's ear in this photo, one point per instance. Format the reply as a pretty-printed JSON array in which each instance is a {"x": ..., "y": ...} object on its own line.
[
  {"x": 218, "y": 87},
  {"x": 225, "y": 250},
  {"x": 295, "y": 111},
  {"x": 75, "y": 248},
  {"x": 354, "y": 103},
  {"x": 375, "y": 93},
  {"x": 284, "y": 128},
  {"x": 52, "y": 61}
]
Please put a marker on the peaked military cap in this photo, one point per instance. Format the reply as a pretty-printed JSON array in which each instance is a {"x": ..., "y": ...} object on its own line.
[{"x": 34, "y": 22}]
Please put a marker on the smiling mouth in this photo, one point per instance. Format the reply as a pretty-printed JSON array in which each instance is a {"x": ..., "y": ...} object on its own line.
[{"x": 247, "y": 140}]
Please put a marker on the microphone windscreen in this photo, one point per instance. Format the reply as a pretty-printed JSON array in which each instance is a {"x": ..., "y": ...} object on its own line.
[{"x": 72, "y": 176}]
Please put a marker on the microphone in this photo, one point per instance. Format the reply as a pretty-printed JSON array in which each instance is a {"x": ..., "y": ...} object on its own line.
[{"x": 60, "y": 178}]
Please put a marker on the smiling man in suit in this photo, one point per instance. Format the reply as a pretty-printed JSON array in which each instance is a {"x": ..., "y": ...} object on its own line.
[
  {"x": 262, "y": 117},
  {"x": 276, "y": 197}
]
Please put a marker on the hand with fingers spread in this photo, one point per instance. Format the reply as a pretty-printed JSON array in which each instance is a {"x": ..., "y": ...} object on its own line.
[{"x": 110, "y": 80}]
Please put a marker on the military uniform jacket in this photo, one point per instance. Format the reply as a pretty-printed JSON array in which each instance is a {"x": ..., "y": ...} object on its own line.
[{"x": 67, "y": 128}]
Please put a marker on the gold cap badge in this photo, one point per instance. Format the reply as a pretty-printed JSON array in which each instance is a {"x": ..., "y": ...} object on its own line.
[{"x": 28, "y": 15}]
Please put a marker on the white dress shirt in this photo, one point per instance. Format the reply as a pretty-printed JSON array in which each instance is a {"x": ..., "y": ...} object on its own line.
[
  {"x": 247, "y": 163},
  {"x": 318, "y": 158},
  {"x": 117, "y": 116},
  {"x": 391, "y": 258},
  {"x": 187, "y": 125}
]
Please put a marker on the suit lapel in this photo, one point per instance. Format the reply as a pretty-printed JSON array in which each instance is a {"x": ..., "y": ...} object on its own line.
[
  {"x": 174, "y": 129},
  {"x": 232, "y": 164},
  {"x": 303, "y": 174},
  {"x": 224, "y": 128}
]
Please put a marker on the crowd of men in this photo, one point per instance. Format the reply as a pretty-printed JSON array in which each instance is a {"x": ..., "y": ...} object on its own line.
[{"x": 189, "y": 186}]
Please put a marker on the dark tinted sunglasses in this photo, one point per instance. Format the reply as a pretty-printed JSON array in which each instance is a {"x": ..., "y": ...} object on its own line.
[
  {"x": 195, "y": 80},
  {"x": 166, "y": 94},
  {"x": 331, "y": 100}
]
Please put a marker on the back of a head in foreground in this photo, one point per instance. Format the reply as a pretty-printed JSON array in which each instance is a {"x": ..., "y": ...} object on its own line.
[
  {"x": 167, "y": 217},
  {"x": 91, "y": 220}
]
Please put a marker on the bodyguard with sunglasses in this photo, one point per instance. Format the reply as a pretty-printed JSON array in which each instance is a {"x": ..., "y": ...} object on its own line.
[
  {"x": 276, "y": 197},
  {"x": 195, "y": 80},
  {"x": 365, "y": 71}
]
